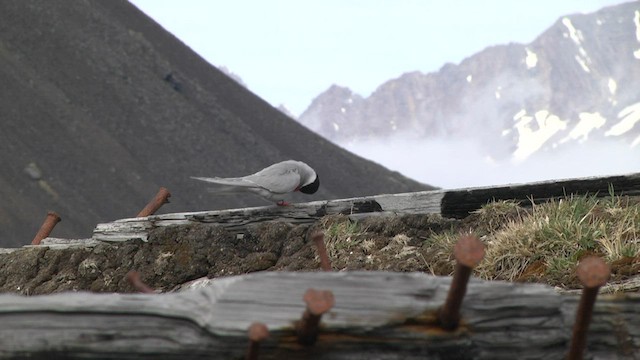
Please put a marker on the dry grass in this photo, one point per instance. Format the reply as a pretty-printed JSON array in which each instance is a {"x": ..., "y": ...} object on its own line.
[
  {"x": 352, "y": 246},
  {"x": 546, "y": 243},
  {"x": 542, "y": 243},
  {"x": 341, "y": 234},
  {"x": 495, "y": 215},
  {"x": 438, "y": 252}
]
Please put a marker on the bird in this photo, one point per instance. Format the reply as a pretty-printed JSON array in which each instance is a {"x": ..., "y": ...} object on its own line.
[{"x": 271, "y": 183}]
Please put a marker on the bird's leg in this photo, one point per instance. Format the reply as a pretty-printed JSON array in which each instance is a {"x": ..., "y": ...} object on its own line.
[{"x": 282, "y": 203}]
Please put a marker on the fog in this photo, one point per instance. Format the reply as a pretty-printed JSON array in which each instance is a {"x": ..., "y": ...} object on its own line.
[{"x": 460, "y": 163}]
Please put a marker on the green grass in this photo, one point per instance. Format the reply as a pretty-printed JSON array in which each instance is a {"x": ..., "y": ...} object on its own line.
[
  {"x": 540, "y": 243},
  {"x": 437, "y": 251},
  {"x": 495, "y": 214},
  {"x": 558, "y": 233},
  {"x": 341, "y": 234}
]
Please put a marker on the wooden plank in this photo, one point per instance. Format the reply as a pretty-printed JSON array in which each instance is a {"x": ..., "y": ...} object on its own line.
[
  {"x": 380, "y": 315},
  {"x": 459, "y": 203},
  {"x": 57, "y": 243},
  {"x": 448, "y": 203},
  {"x": 124, "y": 229},
  {"x": 237, "y": 220}
]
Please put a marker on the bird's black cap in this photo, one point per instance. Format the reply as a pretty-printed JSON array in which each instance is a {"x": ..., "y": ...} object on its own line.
[{"x": 311, "y": 188}]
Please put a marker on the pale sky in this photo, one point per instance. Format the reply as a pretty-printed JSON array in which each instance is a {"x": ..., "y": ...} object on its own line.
[{"x": 289, "y": 51}]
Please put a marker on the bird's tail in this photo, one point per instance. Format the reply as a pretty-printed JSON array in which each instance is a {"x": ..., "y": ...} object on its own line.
[
  {"x": 226, "y": 185},
  {"x": 225, "y": 181},
  {"x": 227, "y": 190}
]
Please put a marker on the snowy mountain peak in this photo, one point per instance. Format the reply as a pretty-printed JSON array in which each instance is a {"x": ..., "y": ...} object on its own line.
[{"x": 575, "y": 83}]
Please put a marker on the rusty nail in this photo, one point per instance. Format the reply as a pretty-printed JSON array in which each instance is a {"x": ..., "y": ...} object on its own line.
[
  {"x": 592, "y": 272},
  {"x": 134, "y": 278},
  {"x": 468, "y": 251},
  {"x": 318, "y": 239},
  {"x": 161, "y": 198},
  {"x": 49, "y": 223},
  {"x": 318, "y": 302},
  {"x": 257, "y": 333}
]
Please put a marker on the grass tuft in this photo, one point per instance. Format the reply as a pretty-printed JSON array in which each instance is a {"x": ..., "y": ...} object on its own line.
[
  {"x": 437, "y": 249},
  {"x": 541, "y": 243},
  {"x": 341, "y": 234},
  {"x": 495, "y": 214},
  {"x": 546, "y": 243}
]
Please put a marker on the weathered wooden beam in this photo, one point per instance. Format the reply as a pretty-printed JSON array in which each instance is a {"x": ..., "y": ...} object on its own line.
[
  {"x": 448, "y": 203},
  {"x": 237, "y": 220},
  {"x": 379, "y": 315},
  {"x": 459, "y": 203}
]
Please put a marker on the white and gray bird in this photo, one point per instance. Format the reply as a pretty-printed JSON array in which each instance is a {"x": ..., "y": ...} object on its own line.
[{"x": 273, "y": 182}]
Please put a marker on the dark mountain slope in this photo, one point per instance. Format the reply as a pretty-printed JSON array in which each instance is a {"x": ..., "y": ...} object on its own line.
[{"x": 100, "y": 107}]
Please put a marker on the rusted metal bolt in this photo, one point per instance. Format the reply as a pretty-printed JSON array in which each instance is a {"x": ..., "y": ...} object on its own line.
[
  {"x": 257, "y": 333},
  {"x": 592, "y": 272},
  {"x": 161, "y": 198},
  {"x": 318, "y": 302},
  {"x": 134, "y": 279},
  {"x": 318, "y": 239},
  {"x": 49, "y": 223},
  {"x": 468, "y": 251}
]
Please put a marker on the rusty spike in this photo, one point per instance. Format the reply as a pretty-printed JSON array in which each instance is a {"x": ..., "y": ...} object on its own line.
[
  {"x": 161, "y": 198},
  {"x": 257, "y": 333},
  {"x": 592, "y": 272},
  {"x": 134, "y": 278},
  {"x": 468, "y": 251},
  {"x": 318, "y": 239},
  {"x": 318, "y": 303},
  {"x": 47, "y": 226}
]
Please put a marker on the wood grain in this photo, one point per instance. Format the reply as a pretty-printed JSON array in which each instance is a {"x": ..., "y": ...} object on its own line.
[{"x": 380, "y": 315}]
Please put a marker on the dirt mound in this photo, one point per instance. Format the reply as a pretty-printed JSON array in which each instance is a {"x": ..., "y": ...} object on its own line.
[
  {"x": 543, "y": 243},
  {"x": 176, "y": 254}
]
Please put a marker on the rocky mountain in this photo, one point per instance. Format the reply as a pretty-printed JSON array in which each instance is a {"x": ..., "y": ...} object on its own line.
[
  {"x": 576, "y": 82},
  {"x": 101, "y": 106}
]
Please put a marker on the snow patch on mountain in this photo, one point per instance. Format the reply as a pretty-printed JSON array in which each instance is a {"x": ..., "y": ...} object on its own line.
[
  {"x": 576, "y": 36},
  {"x": 636, "y": 21},
  {"x": 531, "y": 59},
  {"x": 588, "y": 122},
  {"x": 533, "y": 134},
  {"x": 629, "y": 117},
  {"x": 613, "y": 86}
]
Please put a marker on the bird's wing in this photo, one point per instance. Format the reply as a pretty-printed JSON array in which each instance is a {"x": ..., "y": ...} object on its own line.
[
  {"x": 277, "y": 179},
  {"x": 227, "y": 181}
]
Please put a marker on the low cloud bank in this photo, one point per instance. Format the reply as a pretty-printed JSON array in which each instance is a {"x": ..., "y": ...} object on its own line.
[{"x": 460, "y": 163}]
